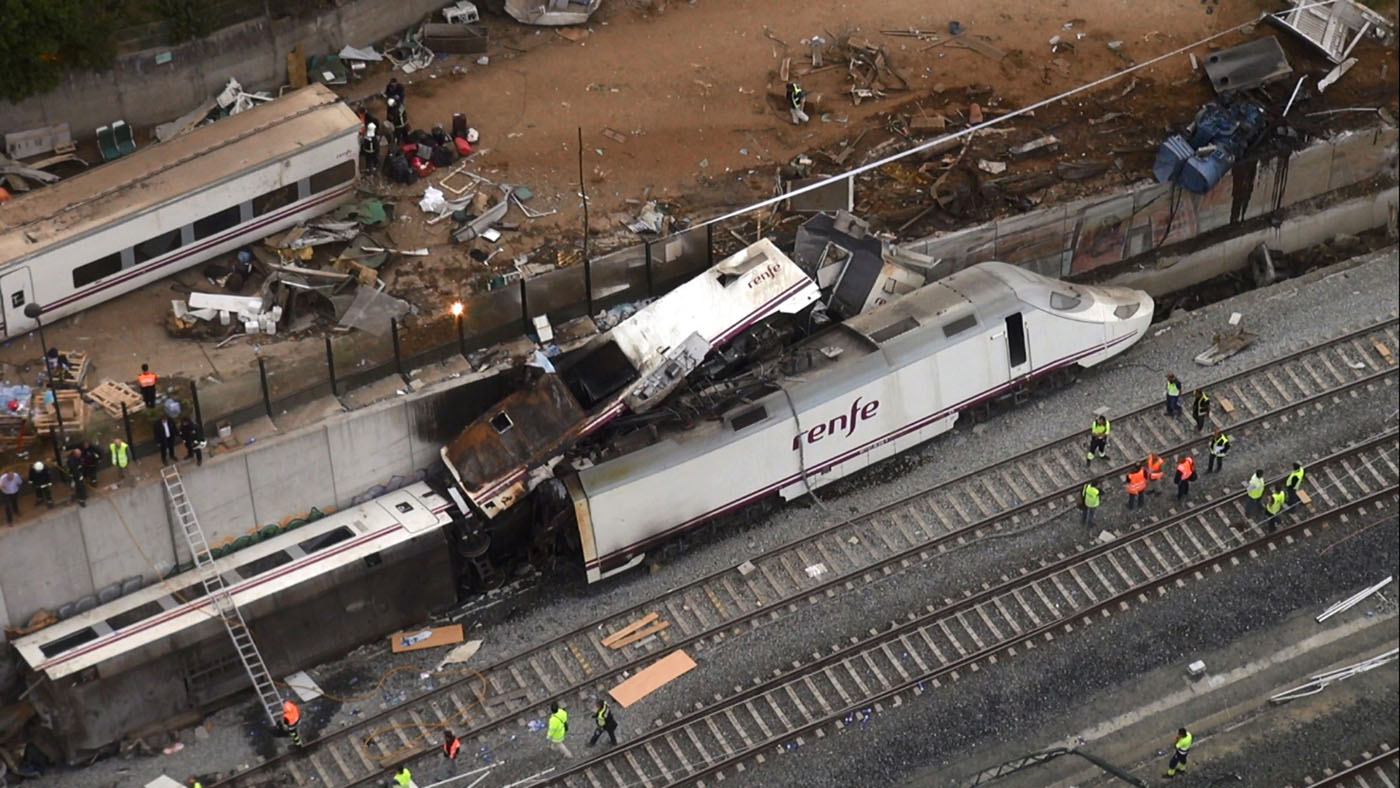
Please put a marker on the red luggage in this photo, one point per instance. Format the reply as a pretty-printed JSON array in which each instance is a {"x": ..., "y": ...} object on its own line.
[
  {"x": 464, "y": 148},
  {"x": 423, "y": 168}
]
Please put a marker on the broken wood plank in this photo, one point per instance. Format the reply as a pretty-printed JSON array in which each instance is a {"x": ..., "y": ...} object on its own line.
[
  {"x": 1304, "y": 497},
  {"x": 614, "y": 135},
  {"x": 1226, "y": 405},
  {"x": 1383, "y": 350},
  {"x": 645, "y": 632},
  {"x": 784, "y": 69},
  {"x": 630, "y": 628}
]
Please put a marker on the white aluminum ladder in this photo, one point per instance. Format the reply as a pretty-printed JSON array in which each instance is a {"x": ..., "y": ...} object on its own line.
[{"x": 219, "y": 596}]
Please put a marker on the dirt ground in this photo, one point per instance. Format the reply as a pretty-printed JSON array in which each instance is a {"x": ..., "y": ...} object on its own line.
[{"x": 695, "y": 92}]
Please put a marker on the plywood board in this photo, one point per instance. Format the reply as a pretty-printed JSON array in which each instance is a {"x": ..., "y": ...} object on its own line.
[
  {"x": 649, "y": 679},
  {"x": 644, "y": 632},
  {"x": 1304, "y": 497},
  {"x": 440, "y": 636},
  {"x": 630, "y": 628}
]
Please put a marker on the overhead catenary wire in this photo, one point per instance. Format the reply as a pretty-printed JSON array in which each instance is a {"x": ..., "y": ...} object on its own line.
[{"x": 973, "y": 129}]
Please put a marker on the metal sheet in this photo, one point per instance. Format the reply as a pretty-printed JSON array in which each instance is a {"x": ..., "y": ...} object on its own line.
[{"x": 1248, "y": 65}]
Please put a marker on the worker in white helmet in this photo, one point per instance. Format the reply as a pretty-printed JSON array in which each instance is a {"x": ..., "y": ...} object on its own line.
[{"x": 42, "y": 481}]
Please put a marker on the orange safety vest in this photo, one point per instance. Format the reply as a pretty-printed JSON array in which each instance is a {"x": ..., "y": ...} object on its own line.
[
  {"x": 291, "y": 715},
  {"x": 450, "y": 748},
  {"x": 146, "y": 379},
  {"x": 1186, "y": 467},
  {"x": 1154, "y": 467},
  {"x": 1137, "y": 481}
]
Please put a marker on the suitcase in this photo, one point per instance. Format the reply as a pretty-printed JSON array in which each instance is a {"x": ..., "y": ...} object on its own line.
[
  {"x": 464, "y": 148},
  {"x": 442, "y": 156},
  {"x": 459, "y": 124},
  {"x": 423, "y": 168}
]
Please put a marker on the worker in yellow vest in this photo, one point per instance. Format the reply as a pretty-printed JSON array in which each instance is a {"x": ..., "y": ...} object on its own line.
[
  {"x": 404, "y": 778},
  {"x": 120, "y": 453},
  {"x": 1089, "y": 499},
  {"x": 1273, "y": 507},
  {"x": 1098, "y": 439},
  {"x": 1254, "y": 492},
  {"x": 558, "y": 727},
  {"x": 1177, "y": 765},
  {"x": 1294, "y": 483}
]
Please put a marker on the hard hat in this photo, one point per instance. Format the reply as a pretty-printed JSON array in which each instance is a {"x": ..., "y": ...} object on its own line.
[
  {"x": 393, "y": 102},
  {"x": 370, "y": 130},
  {"x": 38, "y": 466}
]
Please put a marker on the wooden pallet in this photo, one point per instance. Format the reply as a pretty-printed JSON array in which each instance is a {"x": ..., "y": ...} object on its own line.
[
  {"x": 13, "y": 431},
  {"x": 72, "y": 407},
  {"x": 111, "y": 395},
  {"x": 80, "y": 365}
]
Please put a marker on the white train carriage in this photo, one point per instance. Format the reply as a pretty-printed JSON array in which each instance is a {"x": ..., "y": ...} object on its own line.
[
  {"x": 159, "y": 656},
  {"x": 876, "y": 386},
  {"x": 173, "y": 205}
]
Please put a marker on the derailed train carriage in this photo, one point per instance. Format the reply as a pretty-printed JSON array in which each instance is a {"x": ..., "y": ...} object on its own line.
[{"x": 728, "y": 390}]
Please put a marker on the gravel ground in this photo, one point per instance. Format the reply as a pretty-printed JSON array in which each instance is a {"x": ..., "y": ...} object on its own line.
[{"x": 1286, "y": 317}]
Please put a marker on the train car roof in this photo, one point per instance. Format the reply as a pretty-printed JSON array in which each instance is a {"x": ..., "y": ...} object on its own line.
[
  {"x": 164, "y": 171},
  {"x": 154, "y": 613}
]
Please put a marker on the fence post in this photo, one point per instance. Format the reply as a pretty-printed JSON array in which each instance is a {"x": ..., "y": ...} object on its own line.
[
  {"x": 262, "y": 375},
  {"x": 588, "y": 281},
  {"x": 330, "y": 365},
  {"x": 651, "y": 283},
  {"x": 398, "y": 355},
  {"x": 198, "y": 414},
  {"x": 57, "y": 453},
  {"x": 709, "y": 245},
  {"x": 126, "y": 423},
  {"x": 524, "y": 307},
  {"x": 461, "y": 337}
]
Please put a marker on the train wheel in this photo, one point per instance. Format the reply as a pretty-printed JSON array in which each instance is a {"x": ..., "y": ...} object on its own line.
[{"x": 474, "y": 545}]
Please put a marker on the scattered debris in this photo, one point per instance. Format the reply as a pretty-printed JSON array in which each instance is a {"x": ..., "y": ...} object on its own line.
[
  {"x": 993, "y": 167},
  {"x": 1335, "y": 74},
  {"x": 653, "y": 677},
  {"x": 110, "y": 395},
  {"x": 1248, "y": 65},
  {"x": 552, "y": 13},
  {"x": 1040, "y": 145},
  {"x": 1334, "y": 27},
  {"x": 643, "y": 627},
  {"x": 1221, "y": 132},
  {"x": 1322, "y": 681},
  {"x": 460, "y": 654},
  {"x": 400, "y": 642},
  {"x": 304, "y": 686},
  {"x": 1353, "y": 600}
]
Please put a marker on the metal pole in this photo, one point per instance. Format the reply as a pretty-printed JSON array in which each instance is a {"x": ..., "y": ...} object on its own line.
[
  {"x": 198, "y": 414},
  {"x": 48, "y": 375},
  {"x": 524, "y": 307},
  {"x": 330, "y": 365},
  {"x": 126, "y": 423},
  {"x": 587, "y": 264},
  {"x": 709, "y": 244},
  {"x": 267, "y": 398},
  {"x": 398, "y": 353},
  {"x": 57, "y": 453},
  {"x": 651, "y": 285},
  {"x": 461, "y": 337}
]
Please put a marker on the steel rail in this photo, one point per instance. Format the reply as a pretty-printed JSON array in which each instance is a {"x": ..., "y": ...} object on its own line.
[
  {"x": 1372, "y": 766},
  {"x": 893, "y": 636}
]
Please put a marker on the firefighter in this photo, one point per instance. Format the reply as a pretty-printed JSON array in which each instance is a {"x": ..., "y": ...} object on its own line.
[
  {"x": 1182, "y": 745},
  {"x": 1098, "y": 439},
  {"x": 797, "y": 100},
  {"x": 41, "y": 479},
  {"x": 369, "y": 149},
  {"x": 397, "y": 117},
  {"x": 1136, "y": 486},
  {"x": 291, "y": 718},
  {"x": 1185, "y": 472},
  {"x": 1294, "y": 483},
  {"x": 1219, "y": 447}
]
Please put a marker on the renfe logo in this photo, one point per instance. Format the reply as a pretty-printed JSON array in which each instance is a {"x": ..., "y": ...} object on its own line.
[
  {"x": 845, "y": 422},
  {"x": 768, "y": 272}
]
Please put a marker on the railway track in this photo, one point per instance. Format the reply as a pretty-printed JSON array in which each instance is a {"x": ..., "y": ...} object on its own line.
[
  {"x": 1371, "y": 770},
  {"x": 1022, "y": 613},
  {"x": 862, "y": 549}
]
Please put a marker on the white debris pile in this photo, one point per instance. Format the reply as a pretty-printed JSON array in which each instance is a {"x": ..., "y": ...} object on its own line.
[{"x": 247, "y": 310}]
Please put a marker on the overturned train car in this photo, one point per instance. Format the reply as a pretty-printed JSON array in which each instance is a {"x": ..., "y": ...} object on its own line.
[{"x": 160, "y": 657}]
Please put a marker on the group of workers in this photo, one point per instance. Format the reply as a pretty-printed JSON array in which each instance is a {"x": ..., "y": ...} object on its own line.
[
  {"x": 1260, "y": 499},
  {"x": 394, "y": 128}
]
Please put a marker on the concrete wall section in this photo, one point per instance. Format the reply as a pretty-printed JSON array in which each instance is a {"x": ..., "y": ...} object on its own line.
[
  {"x": 289, "y": 478},
  {"x": 127, "y": 535},
  {"x": 255, "y": 53},
  {"x": 44, "y": 564},
  {"x": 368, "y": 449}
]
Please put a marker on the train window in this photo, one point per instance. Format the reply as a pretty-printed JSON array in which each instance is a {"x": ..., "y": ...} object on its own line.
[
  {"x": 157, "y": 246},
  {"x": 1063, "y": 301},
  {"x": 216, "y": 223},
  {"x": 326, "y": 540},
  {"x": 960, "y": 325},
  {"x": 894, "y": 329},
  {"x": 332, "y": 177},
  {"x": 190, "y": 593},
  {"x": 748, "y": 418},
  {"x": 277, "y": 198},
  {"x": 134, "y": 615},
  {"x": 85, "y": 635},
  {"x": 264, "y": 564},
  {"x": 501, "y": 422},
  {"x": 88, "y": 273}
]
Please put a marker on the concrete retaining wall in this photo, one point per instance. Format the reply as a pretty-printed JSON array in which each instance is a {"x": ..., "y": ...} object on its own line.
[
  {"x": 74, "y": 552},
  {"x": 145, "y": 93}
]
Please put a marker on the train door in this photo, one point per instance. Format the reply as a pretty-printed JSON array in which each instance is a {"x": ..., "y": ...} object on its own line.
[
  {"x": 1018, "y": 356},
  {"x": 17, "y": 290}
]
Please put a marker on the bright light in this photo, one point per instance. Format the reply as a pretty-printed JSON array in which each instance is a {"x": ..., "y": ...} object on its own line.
[{"x": 456, "y": 309}]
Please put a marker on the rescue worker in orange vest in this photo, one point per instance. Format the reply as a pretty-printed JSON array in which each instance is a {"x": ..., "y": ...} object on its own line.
[
  {"x": 451, "y": 745},
  {"x": 1154, "y": 472},
  {"x": 1185, "y": 472},
  {"x": 1098, "y": 439},
  {"x": 291, "y": 717},
  {"x": 1137, "y": 486},
  {"x": 147, "y": 381}
]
